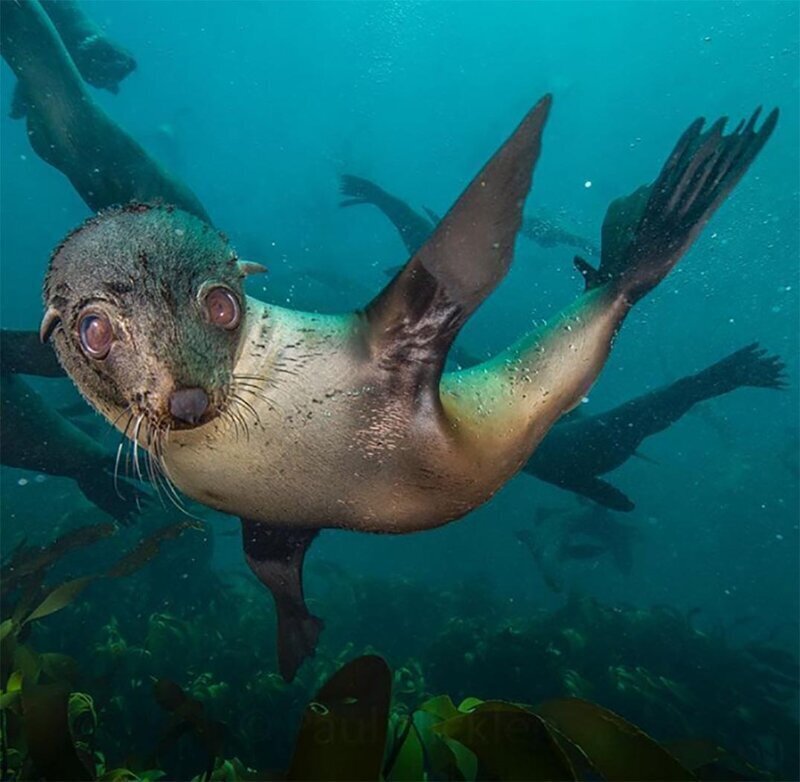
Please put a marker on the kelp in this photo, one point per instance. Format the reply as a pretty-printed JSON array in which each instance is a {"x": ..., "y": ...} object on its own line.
[
  {"x": 343, "y": 733},
  {"x": 147, "y": 548},
  {"x": 661, "y": 672},
  {"x": 563, "y": 739},
  {"x": 509, "y": 743},
  {"x": 348, "y": 733},
  {"x": 50, "y": 746},
  {"x": 709, "y": 761},
  {"x": 64, "y": 594},
  {"x": 616, "y": 749},
  {"x": 28, "y": 561},
  {"x": 46, "y": 727}
]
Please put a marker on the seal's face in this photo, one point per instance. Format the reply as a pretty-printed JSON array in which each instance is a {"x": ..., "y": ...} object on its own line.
[{"x": 146, "y": 308}]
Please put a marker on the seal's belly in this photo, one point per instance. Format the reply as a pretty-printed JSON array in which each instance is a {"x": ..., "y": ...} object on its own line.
[{"x": 349, "y": 453}]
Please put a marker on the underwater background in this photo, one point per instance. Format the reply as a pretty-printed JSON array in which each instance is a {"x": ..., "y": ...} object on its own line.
[{"x": 260, "y": 107}]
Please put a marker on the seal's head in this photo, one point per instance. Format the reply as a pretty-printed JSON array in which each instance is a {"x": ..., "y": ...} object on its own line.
[{"x": 146, "y": 309}]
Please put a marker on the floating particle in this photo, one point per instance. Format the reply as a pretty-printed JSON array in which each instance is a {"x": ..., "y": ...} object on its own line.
[
  {"x": 587, "y": 184},
  {"x": 22, "y": 482}
]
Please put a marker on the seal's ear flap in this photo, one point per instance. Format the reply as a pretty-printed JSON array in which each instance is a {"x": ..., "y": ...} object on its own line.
[
  {"x": 50, "y": 321},
  {"x": 246, "y": 268}
]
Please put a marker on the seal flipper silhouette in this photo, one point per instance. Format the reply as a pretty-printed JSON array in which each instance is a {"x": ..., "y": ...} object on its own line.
[
  {"x": 275, "y": 555},
  {"x": 414, "y": 320},
  {"x": 645, "y": 234},
  {"x": 602, "y": 492}
]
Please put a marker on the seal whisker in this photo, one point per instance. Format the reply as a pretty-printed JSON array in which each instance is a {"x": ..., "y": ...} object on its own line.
[
  {"x": 240, "y": 418},
  {"x": 244, "y": 403},
  {"x": 257, "y": 392},
  {"x": 240, "y": 402},
  {"x": 159, "y": 467},
  {"x": 137, "y": 469},
  {"x": 169, "y": 484},
  {"x": 152, "y": 435},
  {"x": 228, "y": 415},
  {"x": 122, "y": 441},
  {"x": 126, "y": 409}
]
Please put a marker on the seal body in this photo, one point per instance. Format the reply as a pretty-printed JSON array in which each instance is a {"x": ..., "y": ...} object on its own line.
[
  {"x": 297, "y": 422},
  {"x": 330, "y": 442}
]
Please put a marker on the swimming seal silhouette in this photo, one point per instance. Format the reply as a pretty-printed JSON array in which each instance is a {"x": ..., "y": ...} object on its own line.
[{"x": 297, "y": 422}]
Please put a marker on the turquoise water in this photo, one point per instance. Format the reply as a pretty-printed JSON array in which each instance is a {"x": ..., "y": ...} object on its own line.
[{"x": 259, "y": 107}]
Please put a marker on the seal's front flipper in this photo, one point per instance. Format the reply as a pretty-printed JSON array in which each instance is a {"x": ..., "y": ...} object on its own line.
[
  {"x": 412, "y": 323},
  {"x": 275, "y": 555},
  {"x": 748, "y": 366},
  {"x": 646, "y": 233},
  {"x": 603, "y": 493}
]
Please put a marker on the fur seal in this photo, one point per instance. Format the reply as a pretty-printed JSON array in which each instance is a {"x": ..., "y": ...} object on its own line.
[
  {"x": 103, "y": 63},
  {"x": 575, "y": 453},
  {"x": 350, "y": 421},
  {"x": 72, "y": 133},
  {"x": 560, "y": 535}
]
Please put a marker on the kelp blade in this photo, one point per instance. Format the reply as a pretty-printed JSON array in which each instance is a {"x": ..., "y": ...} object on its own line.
[
  {"x": 47, "y": 735},
  {"x": 618, "y": 750},
  {"x": 510, "y": 743},
  {"x": 343, "y": 733}
]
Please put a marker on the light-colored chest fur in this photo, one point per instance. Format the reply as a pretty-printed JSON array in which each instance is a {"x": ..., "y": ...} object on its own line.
[{"x": 319, "y": 438}]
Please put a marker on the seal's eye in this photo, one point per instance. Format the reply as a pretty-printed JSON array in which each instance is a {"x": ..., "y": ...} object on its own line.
[
  {"x": 223, "y": 308},
  {"x": 96, "y": 334}
]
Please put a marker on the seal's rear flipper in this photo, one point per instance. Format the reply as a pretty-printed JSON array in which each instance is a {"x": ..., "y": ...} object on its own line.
[
  {"x": 603, "y": 493},
  {"x": 748, "y": 366},
  {"x": 275, "y": 555},
  {"x": 646, "y": 233},
  {"x": 413, "y": 321}
]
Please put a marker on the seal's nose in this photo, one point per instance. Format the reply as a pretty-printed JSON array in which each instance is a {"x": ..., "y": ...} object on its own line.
[{"x": 188, "y": 404}]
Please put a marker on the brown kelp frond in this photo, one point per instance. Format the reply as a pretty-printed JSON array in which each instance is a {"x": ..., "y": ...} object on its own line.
[{"x": 28, "y": 561}]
